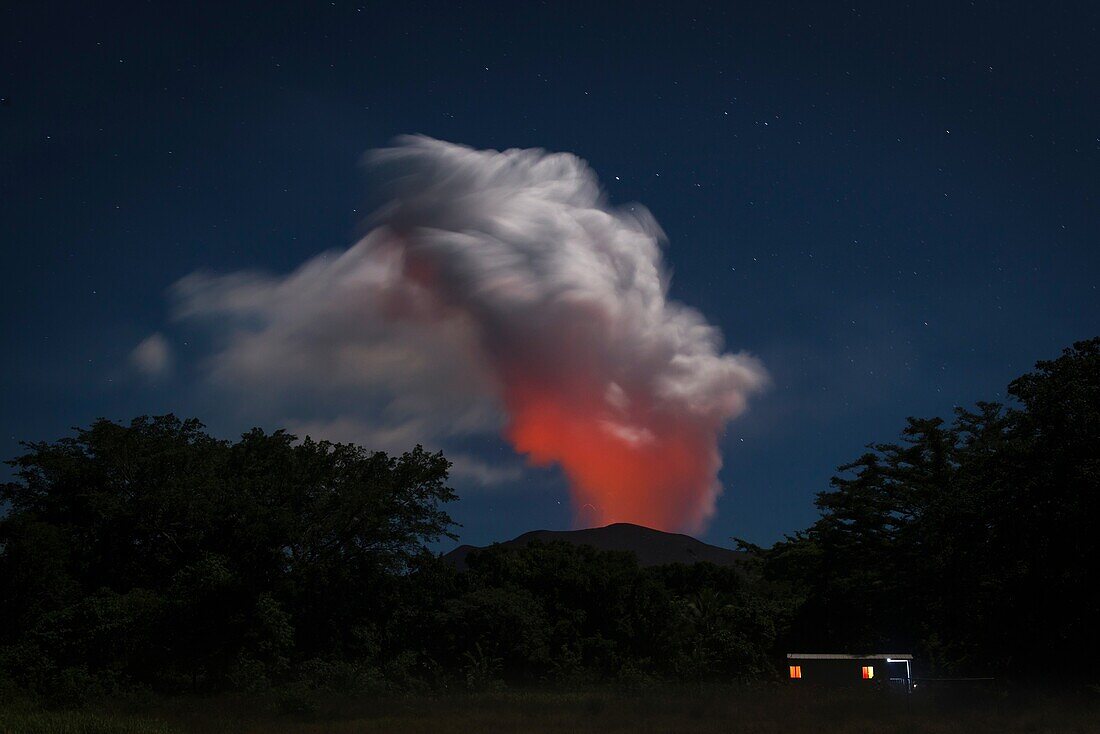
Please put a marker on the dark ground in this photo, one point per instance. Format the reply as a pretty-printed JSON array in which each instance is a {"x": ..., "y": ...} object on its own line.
[{"x": 727, "y": 709}]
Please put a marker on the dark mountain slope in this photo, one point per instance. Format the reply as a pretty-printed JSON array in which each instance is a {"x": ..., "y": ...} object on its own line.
[{"x": 652, "y": 547}]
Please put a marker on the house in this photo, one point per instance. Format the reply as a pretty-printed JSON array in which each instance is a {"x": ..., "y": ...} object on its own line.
[{"x": 893, "y": 669}]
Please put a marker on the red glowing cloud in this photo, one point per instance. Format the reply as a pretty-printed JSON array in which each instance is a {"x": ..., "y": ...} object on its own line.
[
  {"x": 597, "y": 371},
  {"x": 661, "y": 479},
  {"x": 504, "y": 279}
]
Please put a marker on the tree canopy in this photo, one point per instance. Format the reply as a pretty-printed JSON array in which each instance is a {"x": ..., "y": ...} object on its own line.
[
  {"x": 153, "y": 554},
  {"x": 152, "y": 551},
  {"x": 973, "y": 542}
]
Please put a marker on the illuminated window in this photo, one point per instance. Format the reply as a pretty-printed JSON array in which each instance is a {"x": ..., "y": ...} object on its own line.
[
  {"x": 868, "y": 672},
  {"x": 796, "y": 671}
]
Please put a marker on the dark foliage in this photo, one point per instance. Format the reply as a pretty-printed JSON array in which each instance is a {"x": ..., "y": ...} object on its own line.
[
  {"x": 153, "y": 554},
  {"x": 973, "y": 543}
]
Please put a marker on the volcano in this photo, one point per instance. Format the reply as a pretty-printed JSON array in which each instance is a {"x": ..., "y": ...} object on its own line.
[{"x": 651, "y": 547}]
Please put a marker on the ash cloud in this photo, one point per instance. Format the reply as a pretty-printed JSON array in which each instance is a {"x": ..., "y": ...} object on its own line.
[{"x": 496, "y": 291}]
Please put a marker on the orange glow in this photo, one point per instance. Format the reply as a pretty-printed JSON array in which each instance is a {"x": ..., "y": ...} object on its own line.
[
  {"x": 626, "y": 460},
  {"x": 868, "y": 672},
  {"x": 658, "y": 473},
  {"x": 796, "y": 671}
]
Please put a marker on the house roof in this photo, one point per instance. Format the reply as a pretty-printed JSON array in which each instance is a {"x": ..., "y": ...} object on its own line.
[{"x": 831, "y": 656}]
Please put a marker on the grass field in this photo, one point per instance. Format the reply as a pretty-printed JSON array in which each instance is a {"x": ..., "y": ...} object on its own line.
[{"x": 753, "y": 710}]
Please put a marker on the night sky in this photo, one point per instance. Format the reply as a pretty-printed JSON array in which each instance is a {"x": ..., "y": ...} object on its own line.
[{"x": 893, "y": 207}]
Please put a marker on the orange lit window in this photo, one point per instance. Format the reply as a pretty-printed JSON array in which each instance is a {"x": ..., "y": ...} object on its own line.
[
  {"x": 868, "y": 672},
  {"x": 796, "y": 671}
]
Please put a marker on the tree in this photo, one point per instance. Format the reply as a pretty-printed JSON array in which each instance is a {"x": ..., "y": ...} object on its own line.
[
  {"x": 154, "y": 552},
  {"x": 973, "y": 543}
]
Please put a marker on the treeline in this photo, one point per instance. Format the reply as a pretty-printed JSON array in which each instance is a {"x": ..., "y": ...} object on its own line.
[
  {"x": 154, "y": 555},
  {"x": 974, "y": 543}
]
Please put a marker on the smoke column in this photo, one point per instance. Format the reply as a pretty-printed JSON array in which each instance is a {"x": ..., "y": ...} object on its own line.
[{"x": 559, "y": 300}]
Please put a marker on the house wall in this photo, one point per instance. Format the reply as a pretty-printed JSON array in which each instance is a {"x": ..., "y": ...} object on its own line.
[{"x": 844, "y": 672}]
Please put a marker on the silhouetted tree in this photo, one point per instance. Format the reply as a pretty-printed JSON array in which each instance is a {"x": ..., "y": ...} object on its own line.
[
  {"x": 154, "y": 552},
  {"x": 975, "y": 542}
]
